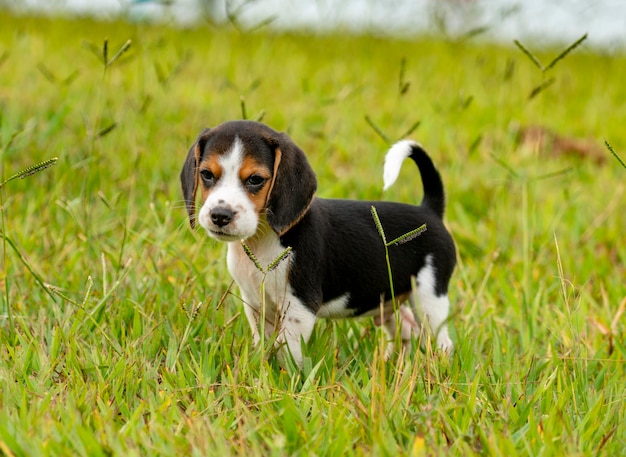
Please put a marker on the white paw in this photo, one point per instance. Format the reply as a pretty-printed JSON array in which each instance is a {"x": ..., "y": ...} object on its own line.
[{"x": 444, "y": 342}]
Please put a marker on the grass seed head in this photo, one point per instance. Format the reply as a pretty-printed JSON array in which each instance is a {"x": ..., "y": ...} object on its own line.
[{"x": 31, "y": 170}]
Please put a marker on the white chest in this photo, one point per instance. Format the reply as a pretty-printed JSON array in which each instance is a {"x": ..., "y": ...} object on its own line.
[{"x": 269, "y": 277}]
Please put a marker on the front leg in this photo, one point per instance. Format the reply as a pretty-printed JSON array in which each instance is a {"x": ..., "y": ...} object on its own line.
[
  {"x": 253, "y": 311},
  {"x": 252, "y": 314},
  {"x": 296, "y": 324}
]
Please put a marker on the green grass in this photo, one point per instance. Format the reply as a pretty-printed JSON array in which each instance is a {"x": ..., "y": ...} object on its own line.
[{"x": 120, "y": 332}]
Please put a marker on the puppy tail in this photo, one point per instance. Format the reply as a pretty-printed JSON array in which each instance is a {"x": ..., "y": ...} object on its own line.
[{"x": 434, "y": 197}]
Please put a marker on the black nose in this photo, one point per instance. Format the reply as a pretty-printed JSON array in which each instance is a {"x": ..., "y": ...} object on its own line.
[{"x": 221, "y": 216}]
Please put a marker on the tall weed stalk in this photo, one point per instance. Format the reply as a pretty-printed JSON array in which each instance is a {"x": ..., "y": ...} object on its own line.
[
  {"x": 612, "y": 151},
  {"x": 8, "y": 241},
  {"x": 265, "y": 270},
  {"x": 545, "y": 83},
  {"x": 405, "y": 238}
]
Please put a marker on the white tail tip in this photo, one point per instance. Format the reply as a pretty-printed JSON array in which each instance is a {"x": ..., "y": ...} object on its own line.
[{"x": 393, "y": 161}]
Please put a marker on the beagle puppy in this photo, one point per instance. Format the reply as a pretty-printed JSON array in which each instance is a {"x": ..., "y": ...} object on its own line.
[{"x": 258, "y": 188}]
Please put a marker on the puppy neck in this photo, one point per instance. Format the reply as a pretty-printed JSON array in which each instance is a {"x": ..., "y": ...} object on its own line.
[
  {"x": 253, "y": 256},
  {"x": 262, "y": 238}
]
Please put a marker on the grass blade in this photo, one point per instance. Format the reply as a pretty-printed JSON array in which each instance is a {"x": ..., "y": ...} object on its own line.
[
  {"x": 529, "y": 54},
  {"x": 408, "y": 236},
  {"x": 105, "y": 52},
  {"x": 612, "y": 151},
  {"x": 125, "y": 47},
  {"x": 377, "y": 130},
  {"x": 282, "y": 256},
  {"x": 379, "y": 226},
  {"x": 251, "y": 256},
  {"x": 403, "y": 85},
  {"x": 504, "y": 165},
  {"x": 28, "y": 267},
  {"x": 105, "y": 131},
  {"x": 569, "y": 49},
  {"x": 411, "y": 129},
  {"x": 540, "y": 88},
  {"x": 242, "y": 102}
]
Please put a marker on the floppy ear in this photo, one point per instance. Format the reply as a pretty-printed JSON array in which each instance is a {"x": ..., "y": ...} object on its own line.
[
  {"x": 189, "y": 176},
  {"x": 293, "y": 186}
]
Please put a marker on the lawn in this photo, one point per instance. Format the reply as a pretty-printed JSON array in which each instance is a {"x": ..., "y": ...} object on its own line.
[{"x": 120, "y": 330}]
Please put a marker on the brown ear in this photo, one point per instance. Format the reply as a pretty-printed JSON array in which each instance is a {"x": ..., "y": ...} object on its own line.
[
  {"x": 189, "y": 176},
  {"x": 293, "y": 187}
]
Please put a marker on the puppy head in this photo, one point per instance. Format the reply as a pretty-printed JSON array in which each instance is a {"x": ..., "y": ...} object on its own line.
[{"x": 246, "y": 172}]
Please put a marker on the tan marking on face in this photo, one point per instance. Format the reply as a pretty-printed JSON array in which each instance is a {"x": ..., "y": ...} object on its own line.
[
  {"x": 211, "y": 163},
  {"x": 252, "y": 167}
]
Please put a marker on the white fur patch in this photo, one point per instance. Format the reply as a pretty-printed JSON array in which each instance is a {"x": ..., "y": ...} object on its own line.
[
  {"x": 336, "y": 308},
  {"x": 393, "y": 161},
  {"x": 435, "y": 308},
  {"x": 297, "y": 323}
]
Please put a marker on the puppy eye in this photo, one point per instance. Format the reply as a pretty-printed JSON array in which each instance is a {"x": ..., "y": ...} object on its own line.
[
  {"x": 207, "y": 177},
  {"x": 255, "y": 182}
]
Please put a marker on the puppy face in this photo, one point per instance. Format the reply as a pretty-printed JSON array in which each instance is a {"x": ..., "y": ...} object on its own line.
[
  {"x": 234, "y": 184},
  {"x": 246, "y": 173}
]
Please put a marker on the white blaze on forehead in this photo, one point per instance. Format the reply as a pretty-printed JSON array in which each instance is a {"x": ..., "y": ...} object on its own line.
[{"x": 231, "y": 163}]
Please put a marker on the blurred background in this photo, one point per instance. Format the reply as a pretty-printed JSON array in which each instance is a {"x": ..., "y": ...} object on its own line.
[
  {"x": 543, "y": 22},
  {"x": 121, "y": 333}
]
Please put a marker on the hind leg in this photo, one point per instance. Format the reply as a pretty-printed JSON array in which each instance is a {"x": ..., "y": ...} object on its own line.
[
  {"x": 435, "y": 308},
  {"x": 409, "y": 328}
]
